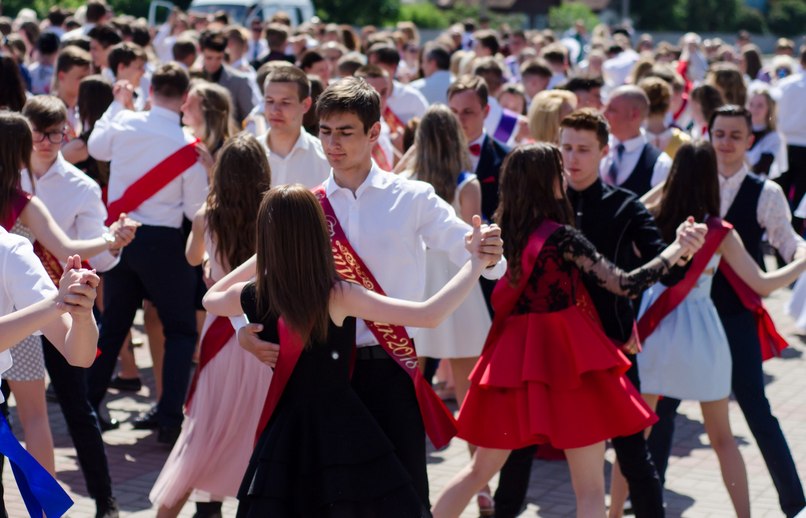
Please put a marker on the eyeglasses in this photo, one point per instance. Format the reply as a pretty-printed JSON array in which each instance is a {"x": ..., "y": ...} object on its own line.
[{"x": 55, "y": 137}]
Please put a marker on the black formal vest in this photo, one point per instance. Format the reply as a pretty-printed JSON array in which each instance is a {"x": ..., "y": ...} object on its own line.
[
  {"x": 640, "y": 180},
  {"x": 742, "y": 214}
]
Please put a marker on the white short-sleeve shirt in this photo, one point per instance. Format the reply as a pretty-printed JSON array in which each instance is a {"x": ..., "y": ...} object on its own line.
[{"x": 23, "y": 280}]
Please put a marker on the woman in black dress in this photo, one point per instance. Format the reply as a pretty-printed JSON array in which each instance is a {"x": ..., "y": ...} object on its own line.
[{"x": 322, "y": 454}]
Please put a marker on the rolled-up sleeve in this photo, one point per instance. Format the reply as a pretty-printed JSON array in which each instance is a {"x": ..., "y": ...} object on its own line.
[{"x": 774, "y": 216}]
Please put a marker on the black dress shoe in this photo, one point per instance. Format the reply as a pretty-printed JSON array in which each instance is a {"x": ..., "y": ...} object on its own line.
[
  {"x": 106, "y": 508},
  {"x": 146, "y": 420},
  {"x": 126, "y": 384},
  {"x": 168, "y": 434},
  {"x": 108, "y": 424}
]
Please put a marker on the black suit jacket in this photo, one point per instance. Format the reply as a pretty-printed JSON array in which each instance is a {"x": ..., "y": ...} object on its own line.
[{"x": 490, "y": 160}]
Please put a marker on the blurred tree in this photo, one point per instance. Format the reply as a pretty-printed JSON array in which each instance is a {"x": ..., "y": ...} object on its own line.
[
  {"x": 358, "y": 12},
  {"x": 787, "y": 17},
  {"x": 564, "y": 16}
]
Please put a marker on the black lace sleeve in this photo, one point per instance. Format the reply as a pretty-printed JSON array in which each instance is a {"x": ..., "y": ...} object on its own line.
[{"x": 578, "y": 250}]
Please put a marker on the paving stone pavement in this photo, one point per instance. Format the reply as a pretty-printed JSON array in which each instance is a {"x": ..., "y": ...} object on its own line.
[{"x": 694, "y": 486}]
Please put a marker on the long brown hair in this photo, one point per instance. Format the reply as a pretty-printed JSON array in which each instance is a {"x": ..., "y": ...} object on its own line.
[
  {"x": 295, "y": 269},
  {"x": 94, "y": 97},
  {"x": 216, "y": 108},
  {"x": 240, "y": 176},
  {"x": 440, "y": 151},
  {"x": 16, "y": 145},
  {"x": 692, "y": 188},
  {"x": 526, "y": 196}
]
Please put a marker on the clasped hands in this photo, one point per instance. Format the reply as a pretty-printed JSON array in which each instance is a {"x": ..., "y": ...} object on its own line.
[
  {"x": 484, "y": 242},
  {"x": 77, "y": 289},
  {"x": 124, "y": 230},
  {"x": 691, "y": 237}
]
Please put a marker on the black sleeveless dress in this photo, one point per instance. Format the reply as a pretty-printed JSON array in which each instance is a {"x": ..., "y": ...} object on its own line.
[{"x": 322, "y": 455}]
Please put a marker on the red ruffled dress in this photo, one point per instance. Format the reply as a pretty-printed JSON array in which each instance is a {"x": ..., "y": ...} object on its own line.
[{"x": 551, "y": 375}]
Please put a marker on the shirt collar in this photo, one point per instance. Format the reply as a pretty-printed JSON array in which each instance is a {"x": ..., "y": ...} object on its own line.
[
  {"x": 303, "y": 141},
  {"x": 631, "y": 145},
  {"x": 593, "y": 191},
  {"x": 164, "y": 113},
  {"x": 480, "y": 140},
  {"x": 735, "y": 180},
  {"x": 59, "y": 166},
  {"x": 377, "y": 178}
]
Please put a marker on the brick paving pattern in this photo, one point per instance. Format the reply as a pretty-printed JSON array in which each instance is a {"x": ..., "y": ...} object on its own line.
[{"x": 694, "y": 486}]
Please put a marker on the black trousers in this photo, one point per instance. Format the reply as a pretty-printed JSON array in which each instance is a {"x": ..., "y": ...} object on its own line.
[
  {"x": 152, "y": 264},
  {"x": 634, "y": 459},
  {"x": 388, "y": 393},
  {"x": 748, "y": 388},
  {"x": 70, "y": 385}
]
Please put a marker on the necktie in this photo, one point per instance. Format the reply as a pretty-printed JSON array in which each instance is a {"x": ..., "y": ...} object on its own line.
[
  {"x": 612, "y": 173},
  {"x": 475, "y": 149}
]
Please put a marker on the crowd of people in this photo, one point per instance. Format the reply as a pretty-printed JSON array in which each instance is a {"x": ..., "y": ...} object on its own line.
[{"x": 330, "y": 231}]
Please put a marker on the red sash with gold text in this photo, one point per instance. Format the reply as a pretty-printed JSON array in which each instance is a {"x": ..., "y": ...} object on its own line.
[
  {"x": 153, "y": 181},
  {"x": 772, "y": 343},
  {"x": 216, "y": 337},
  {"x": 395, "y": 123},
  {"x": 439, "y": 422},
  {"x": 674, "y": 295}
]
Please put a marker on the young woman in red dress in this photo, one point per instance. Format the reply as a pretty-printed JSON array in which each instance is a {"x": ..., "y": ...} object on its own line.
[{"x": 548, "y": 373}]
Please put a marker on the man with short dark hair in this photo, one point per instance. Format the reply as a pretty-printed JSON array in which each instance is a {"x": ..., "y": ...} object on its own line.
[
  {"x": 127, "y": 61},
  {"x": 588, "y": 91},
  {"x": 244, "y": 92},
  {"x": 535, "y": 76},
  {"x": 41, "y": 70},
  {"x": 151, "y": 149},
  {"x": 437, "y": 77},
  {"x": 97, "y": 12},
  {"x": 102, "y": 38},
  {"x": 405, "y": 102},
  {"x": 755, "y": 207},
  {"x": 185, "y": 51},
  {"x": 295, "y": 156}
]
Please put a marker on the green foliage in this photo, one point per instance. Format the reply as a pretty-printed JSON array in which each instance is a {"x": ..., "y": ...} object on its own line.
[
  {"x": 424, "y": 15},
  {"x": 665, "y": 15},
  {"x": 358, "y": 12},
  {"x": 750, "y": 20},
  {"x": 564, "y": 16},
  {"x": 133, "y": 7},
  {"x": 460, "y": 11},
  {"x": 787, "y": 17}
]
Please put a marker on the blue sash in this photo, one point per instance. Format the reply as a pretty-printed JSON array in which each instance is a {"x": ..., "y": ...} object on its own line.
[{"x": 39, "y": 490}]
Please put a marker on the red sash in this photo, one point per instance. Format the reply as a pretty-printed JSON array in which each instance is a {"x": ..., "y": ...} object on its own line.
[
  {"x": 504, "y": 295},
  {"x": 216, "y": 337},
  {"x": 153, "y": 181},
  {"x": 674, "y": 295},
  {"x": 439, "y": 422},
  {"x": 380, "y": 157},
  {"x": 290, "y": 350},
  {"x": 19, "y": 200},
  {"x": 393, "y": 121},
  {"x": 771, "y": 342}
]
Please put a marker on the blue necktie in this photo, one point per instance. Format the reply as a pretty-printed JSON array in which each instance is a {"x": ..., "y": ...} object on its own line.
[{"x": 612, "y": 173}]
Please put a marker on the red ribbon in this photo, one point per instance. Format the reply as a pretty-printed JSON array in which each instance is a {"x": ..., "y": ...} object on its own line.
[
  {"x": 290, "y": 350},
  {"x": 153, "y": 181},
  {"x": 380, "y": 157},
  {"x": 214, "y": 339},
  {"x": 772, "y": 343},
  {"x": 440, "y": 426},
  {"x": 674, "y": 295}
]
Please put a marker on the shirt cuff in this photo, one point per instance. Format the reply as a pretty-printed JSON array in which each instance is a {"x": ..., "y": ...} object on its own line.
[{"x": 496, "y": 271}]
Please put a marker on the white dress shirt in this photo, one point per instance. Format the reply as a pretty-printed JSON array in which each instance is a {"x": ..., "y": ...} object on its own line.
[
  {"x": 434, "y": 87},
  {"x": 629, "y": 159},
  {"x": 389, "y": 222},
  {"x": 617, "y": 69},
  {"x": 74, "y": 201},
  {"x": 306, "y": 163},
  {"x": 23, "y": 281},
  {"x": 772, "y": 212},
  {"x": 406, "y": 102},
  {"x": 792, "y": 109},
  {"x": 135, "y": 142},
  {"x": 474, "y": 160}
]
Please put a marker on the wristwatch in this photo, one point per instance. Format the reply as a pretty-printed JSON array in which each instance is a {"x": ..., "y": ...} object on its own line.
[{"x": 108, "y": 236}]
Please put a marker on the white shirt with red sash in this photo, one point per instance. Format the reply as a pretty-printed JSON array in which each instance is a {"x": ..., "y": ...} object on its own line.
[
  {"x": 74, "y": 201},
  {"x": 389, "y": 223},
  {"x": 135, "y": 142}
]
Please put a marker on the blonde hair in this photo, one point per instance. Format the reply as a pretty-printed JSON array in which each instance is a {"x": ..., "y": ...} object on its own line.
[
  {"x": 545, "y": 114},
  {"x": 772, "y": 107},
  {"x": 440, "y": 151},
  {"x": 216, "y": 107}
]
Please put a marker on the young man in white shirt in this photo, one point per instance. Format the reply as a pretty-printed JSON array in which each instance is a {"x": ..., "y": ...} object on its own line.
[
  {"x": 127, "y": 61},
  {"x": 137, "y": 143},
  {"x": 436, "y": 65},
  {"x": 72, "y": 65},
  {"x": 404, "y": 101},
  {"x": 632, "y": 162},
  {"x": 295, "y": 156},
  {"x": 389, "y": 221},
  {"x": 74, "y": 201}
]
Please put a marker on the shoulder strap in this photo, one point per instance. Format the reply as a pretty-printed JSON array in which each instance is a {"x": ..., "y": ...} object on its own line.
[{"x": 19, "y": 200}]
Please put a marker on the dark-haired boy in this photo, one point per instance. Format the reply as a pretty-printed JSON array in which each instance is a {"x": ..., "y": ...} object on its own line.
[{"x": 244, "y": 92}]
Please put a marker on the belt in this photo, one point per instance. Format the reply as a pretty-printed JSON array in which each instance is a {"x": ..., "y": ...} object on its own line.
[{"x": 373, "y": 352}]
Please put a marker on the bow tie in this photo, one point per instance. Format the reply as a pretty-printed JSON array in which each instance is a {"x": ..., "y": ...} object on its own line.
[{"x": 475, "y": 149}]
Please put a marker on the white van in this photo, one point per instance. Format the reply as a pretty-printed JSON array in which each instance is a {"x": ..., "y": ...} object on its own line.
[{"x": 244, "y": 11}]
